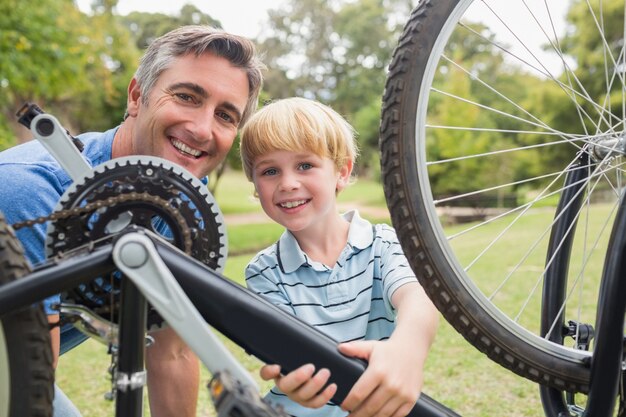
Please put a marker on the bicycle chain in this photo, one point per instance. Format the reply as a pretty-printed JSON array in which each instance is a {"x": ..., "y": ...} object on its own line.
[
  {"x": 157, "y": 196},
  {"x": 84, "y": 294},
  {"x": 110, "y": 202}
]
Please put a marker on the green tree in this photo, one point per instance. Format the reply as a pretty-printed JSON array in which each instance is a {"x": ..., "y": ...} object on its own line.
[
  {"x": 145, "y": 27},
  {"x": 73, "y": 65},
  {"x": 109, "y": 74},
  {"x": 595, "y": 35},
  {"x": 592, "y": 45},
  {"x": 366, "y": 122},
  {"x": 470, "y": 74},
  {"x": 44, "y": 54},
  {"x": 336, "y": 52}
]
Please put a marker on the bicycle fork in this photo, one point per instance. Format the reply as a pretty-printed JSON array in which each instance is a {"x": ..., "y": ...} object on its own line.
[{"x": 607, "y": 363}]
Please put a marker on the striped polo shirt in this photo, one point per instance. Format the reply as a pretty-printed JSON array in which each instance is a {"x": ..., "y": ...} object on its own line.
[{"x": 348, "y": 301}]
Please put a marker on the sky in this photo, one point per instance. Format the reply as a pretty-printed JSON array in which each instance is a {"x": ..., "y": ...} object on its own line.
[
  {"x": 242, "y": 17},
  {"x": 246, "y": 17}
]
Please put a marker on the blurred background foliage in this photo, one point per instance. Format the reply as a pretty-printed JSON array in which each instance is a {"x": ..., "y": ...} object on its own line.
[{"x": 77, "y": 66}]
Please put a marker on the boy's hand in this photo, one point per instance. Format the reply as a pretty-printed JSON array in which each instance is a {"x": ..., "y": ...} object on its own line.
[
  {"x": 302, "y": 385},
  {"x": 390, "y": 385}
]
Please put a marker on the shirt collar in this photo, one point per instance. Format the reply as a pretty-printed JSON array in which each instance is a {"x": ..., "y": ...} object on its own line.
[{"x": 291, "y": 257}]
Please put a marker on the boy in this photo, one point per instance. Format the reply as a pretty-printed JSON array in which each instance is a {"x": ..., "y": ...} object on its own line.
[{"x": 336, "y": 272}]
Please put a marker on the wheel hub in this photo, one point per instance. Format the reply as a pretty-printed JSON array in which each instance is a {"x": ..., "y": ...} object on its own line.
[{"x": 608, "y": 147}]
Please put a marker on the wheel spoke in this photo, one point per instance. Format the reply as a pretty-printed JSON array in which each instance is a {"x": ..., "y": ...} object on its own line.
[{"x": 517, "y": 104}]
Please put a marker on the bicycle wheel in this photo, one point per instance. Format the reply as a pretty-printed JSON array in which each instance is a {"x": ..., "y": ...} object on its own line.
[
  {"x": 26, "y": 373},
  {"x": 488, "y": 106}
]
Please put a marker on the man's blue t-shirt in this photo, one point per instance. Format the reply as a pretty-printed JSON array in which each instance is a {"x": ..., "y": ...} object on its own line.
[{"x": 32, "y": 184}]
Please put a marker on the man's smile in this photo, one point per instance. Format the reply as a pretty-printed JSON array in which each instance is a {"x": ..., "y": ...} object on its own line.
[{"x": 185, "y": 149}]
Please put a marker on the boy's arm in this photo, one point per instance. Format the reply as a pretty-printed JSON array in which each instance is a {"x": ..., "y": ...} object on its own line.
[{"x": 393, "y": 379}]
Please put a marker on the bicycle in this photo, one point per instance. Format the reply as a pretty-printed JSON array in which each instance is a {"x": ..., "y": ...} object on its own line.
[
  {"x": 121, "y": 274},
  {"x": 527, "y": 336},
  {"x": 512, "y": 251}
]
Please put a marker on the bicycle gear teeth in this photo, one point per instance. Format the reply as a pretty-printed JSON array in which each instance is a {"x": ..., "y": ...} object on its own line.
[
  {"x": 135, "y": 191},
  {"x": 157, "y": 177}
]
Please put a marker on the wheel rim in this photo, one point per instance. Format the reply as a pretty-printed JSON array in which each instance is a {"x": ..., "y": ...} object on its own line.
[
  {"x": 5, "y": 377},
  {"x": 500, "y": 257}
]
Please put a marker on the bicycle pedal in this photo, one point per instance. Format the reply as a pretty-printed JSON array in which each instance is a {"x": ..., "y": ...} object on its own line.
[{"x": 233, "y": 399}]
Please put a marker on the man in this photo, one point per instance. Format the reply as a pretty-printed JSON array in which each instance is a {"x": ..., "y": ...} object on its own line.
[{"x": 194, "y": 88}]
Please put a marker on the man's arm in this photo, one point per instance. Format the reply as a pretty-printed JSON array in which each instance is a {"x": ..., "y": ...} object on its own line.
[
  {"x": 55, "y": 338},
  {"x": 173, "y": 376}
]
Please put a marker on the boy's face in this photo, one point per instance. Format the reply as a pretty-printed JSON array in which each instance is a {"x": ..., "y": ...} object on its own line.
[
  {"x": 298, "y": 189},
  {"x": 192, "y": 113}
]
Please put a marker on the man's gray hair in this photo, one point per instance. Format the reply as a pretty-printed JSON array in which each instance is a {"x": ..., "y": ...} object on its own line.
[{"x": 199, "y": 39}]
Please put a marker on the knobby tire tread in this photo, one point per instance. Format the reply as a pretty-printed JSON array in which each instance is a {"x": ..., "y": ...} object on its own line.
[{"x": 28, "y": 336}]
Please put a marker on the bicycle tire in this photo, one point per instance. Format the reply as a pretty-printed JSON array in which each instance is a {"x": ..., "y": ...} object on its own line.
[
  {"x": 26, "y": 372},
  {"x": 405, "y": 133}
]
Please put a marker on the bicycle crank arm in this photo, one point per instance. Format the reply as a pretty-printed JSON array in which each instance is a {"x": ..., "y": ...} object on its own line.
[
  {"x": 136, "y": 257},
  {"x": 57, "y": 140},
  {"x": 266, "y": 331}
]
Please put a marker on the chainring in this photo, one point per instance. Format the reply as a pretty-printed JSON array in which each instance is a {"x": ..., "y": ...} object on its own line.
[{"x": 140, "y": 191}]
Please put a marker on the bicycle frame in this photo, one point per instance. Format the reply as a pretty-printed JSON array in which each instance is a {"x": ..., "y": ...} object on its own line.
[
  {"x": 261, "y": 328},
  {"x": 607, "y": 358}
]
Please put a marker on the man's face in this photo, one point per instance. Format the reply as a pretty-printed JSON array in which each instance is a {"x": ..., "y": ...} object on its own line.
[{"x": 192, "y": 113}]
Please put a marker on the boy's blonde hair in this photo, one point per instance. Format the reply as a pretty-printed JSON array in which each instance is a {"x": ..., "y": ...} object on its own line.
[{"x": 297, "y": 124}]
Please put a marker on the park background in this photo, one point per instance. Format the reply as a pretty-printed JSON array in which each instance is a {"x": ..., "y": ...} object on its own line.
[{"x": 76, "y": 64}]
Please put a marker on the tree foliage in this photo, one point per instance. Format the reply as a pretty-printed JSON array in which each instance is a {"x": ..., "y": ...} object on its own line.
[
  {"x": 336, "y": 52},
  {"x": 73, "y": 64},
  {"x": 38, "y": 61},
  {"x": 145, "y": 27},
  {"x": 78, "y": 66}
]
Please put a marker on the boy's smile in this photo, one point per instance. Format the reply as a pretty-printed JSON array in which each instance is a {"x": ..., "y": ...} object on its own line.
[{"x": 293, "y": 204}]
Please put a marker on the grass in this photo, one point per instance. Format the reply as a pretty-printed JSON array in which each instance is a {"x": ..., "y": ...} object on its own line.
[
  {"x": 456, "y": 374},
  {"x": 247, "y": 239},
  {"x": 234, "y": 194},
  {"x": 363, "y": 192}
]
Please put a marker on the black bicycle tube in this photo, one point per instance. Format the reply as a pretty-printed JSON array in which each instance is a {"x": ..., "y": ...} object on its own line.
[
  {"x": 606, "y": 363},
  {"x": 269, "y": 333},
  {"x": 557, "y": 266},
  {"x": 55, "y": 278},
  {"x": 133, "y": 312}
]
